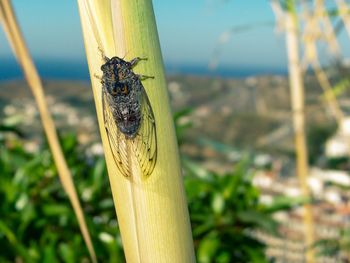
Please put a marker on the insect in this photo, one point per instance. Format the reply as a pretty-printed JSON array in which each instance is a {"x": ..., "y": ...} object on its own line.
[{"x": 128, "y": 116}]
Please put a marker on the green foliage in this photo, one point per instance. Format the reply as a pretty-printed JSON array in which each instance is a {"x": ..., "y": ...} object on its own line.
[
  {"x": 339, "y": 88},
  {"x": 224, "y": 212},
  {"x": 338, "y": 163},
  {"x": 334, "y": 247},
  {"x": 181, "y": 126},
  {"x": 37, "y": 222}
]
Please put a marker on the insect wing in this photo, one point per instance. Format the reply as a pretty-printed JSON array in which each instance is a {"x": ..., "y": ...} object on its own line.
[
  {"x": 117, "y": 141},
  {"x": 145, "y": 142}
]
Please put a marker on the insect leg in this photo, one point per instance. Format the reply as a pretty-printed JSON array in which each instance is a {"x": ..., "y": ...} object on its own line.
[
  {"x": 103, "y": 54},
  {"x": 98, "y": 77},
  {"x": 144, "y": 77},
  {"x": 136, "y": 60}
]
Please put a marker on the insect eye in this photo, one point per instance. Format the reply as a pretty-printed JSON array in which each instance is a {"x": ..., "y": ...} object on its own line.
[
  {"x": 125, "y": 89},
  {"x": 113, "y": 90}
]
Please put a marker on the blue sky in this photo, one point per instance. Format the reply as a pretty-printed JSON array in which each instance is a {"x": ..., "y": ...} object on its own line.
[{"x": 189, "y": 31}]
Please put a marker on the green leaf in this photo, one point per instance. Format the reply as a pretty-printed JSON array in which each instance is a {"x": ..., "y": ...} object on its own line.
[
  {"x": 67, "y": 253},
  {"x": 327, "y": 247},
  {"x": 283, "y": 203},
  {"x": 56, "y": 210},
  {"x": 218, "y": 203},
  {"x": 182, "y": 113},
  {"x": 258, "y": 219},
  {"x": 11, "y": 237},
  {"x": 207, "y": 249}
]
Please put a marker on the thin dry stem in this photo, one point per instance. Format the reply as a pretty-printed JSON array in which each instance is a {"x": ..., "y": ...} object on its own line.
[
  {"x": 343, "y": 9},
  {"x": 311, "y": 59},
  {"x": 297, "y": 99},
  {"x": 323, "y": 18},
  {"x": 327, "y": 89},
  {"x": 22, "y": 54}
]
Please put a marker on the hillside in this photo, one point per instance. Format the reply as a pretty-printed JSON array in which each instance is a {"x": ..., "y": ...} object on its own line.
[{"x": 251, "y": 113}]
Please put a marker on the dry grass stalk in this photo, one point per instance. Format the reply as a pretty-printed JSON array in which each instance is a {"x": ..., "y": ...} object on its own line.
[
  {"x": 330, "y": 97},
  {"x": 323, "y": 18},
  {"x": 343, "y": 10},
  {"x": 152, "y": 212},
  {"x": 311, "y": 36},
  {"x": 22, "y": 54},
  {"x": 311, "y": 32},
  {"x": 297, "y": 100}
]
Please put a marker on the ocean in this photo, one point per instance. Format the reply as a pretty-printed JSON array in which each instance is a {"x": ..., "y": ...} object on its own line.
[{"x": 78, "y": 70}]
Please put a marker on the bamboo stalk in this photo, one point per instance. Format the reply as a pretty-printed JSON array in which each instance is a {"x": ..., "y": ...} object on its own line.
[
  {"x": 297, "y": 101},
  {"x": 152, "y": 213},
  {"x": 21, "y": 52}
]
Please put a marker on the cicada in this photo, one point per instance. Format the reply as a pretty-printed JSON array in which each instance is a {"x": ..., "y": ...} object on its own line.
[{"x": 128, "y": 116}]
